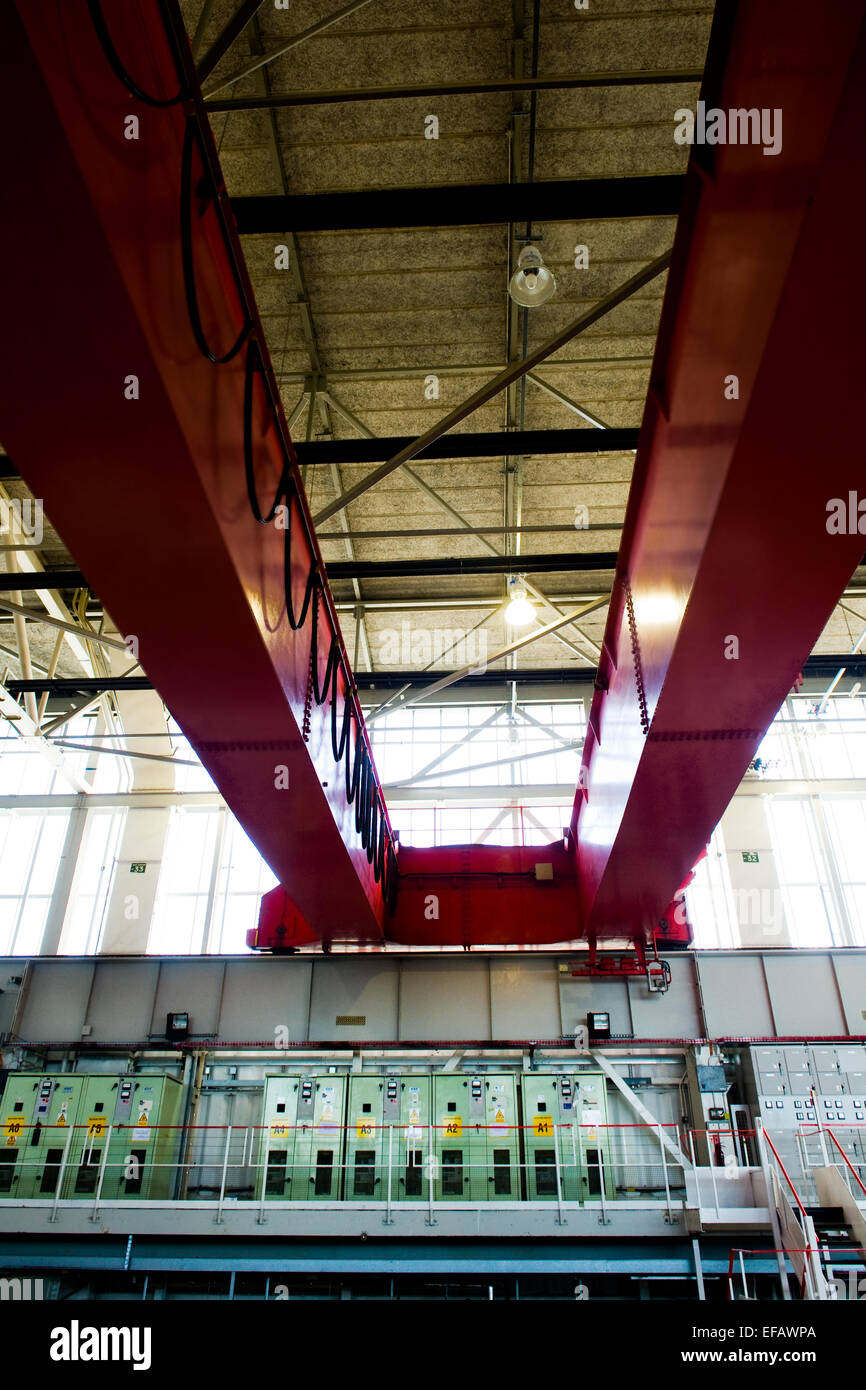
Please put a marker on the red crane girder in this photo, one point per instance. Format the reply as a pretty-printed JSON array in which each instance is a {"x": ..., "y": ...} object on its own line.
[
  {"x": 727, "y": 506},
  {"x": 136, "y": 440},
  {"x": 729, "y": 568}
]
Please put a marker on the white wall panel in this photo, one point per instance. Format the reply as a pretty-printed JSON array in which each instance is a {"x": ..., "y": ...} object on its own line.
[
  {"x": 190, "y": 985},
  {"x": 444, "y": 998},
  {"x": 734, "y": 994},
  {"x": 524, "y": 998},
  {"x": 361, "y": 987},
  {"x": 804, "y": 995},
  {"x": 55, "y": 1003}
]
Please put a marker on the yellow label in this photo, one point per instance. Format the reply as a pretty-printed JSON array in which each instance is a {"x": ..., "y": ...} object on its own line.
[
  {"x": 279, "y": 1131},
  {"x": 542, "y": 1126},
  {"x": 13, "y": 1127},
  {"x": 366, "y": 1129},
  {"x": 95, "y": 1126},
  {"x": 452, "y": 1127}
]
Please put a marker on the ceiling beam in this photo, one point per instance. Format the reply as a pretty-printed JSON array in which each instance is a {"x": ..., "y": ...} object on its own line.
[
  {"x": 452, "y": 677},
  {"x": 43, "y": 579},
  {"x": 431, "y": 532},
  {"x": 462, "y": 205},
  {"x": 558, "y": 562},
  {"x": 483, "y": 444},
  {"x": 262, "y": 60},
  {"x": 815, "y": 667},
  {"x": 221, "y": 45},
  {"x": 513, "y": 372},
  {"x": 334, "y": 95}
]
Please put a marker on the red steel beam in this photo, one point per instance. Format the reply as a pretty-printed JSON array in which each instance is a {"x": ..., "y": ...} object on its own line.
[
  {"x": 475, "y": 895},
  {"x": 149, "y": 493},
  {"x": 730, "y": 496}
]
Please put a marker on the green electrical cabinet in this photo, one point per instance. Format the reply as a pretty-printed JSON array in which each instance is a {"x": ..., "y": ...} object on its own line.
[
  {"x": 39, "y": 1113},
  {"x": 593, "y": 1136},
  {"x": 137, "y": 1116},
  {"x": 303, "y": 1138},
  {"x": 477, "y": 1138},
  {"x": 388, "y": 1119},
  {"x": 564, "y": 1117}
]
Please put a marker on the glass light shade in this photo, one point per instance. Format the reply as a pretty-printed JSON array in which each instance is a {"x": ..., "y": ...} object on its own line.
[
  {"x": 532, "y": 283},
  {"x": 519, "y": 611}
]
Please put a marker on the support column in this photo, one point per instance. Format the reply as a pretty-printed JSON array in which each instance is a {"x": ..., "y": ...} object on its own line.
[
  {"x": 63, "y": 882},
  {"x": 133, "y": 893},
  {"x": 760, "y": 915}
]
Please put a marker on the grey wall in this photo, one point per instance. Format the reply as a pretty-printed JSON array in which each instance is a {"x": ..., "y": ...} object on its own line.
[{"x": 449, "y": 998}]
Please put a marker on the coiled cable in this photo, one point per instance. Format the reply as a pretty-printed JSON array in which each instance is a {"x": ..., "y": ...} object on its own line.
[{"x": 362, "y": 788}]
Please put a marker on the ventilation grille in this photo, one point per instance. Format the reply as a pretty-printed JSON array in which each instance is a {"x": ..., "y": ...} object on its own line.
[{"x": 351, "y": 1020}]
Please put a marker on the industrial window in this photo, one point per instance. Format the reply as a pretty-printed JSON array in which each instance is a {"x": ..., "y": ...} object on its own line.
[
  {"x": 414, "y": 1174},
  {"x": 365, "y": 1172},
  {"x": 88, "y": 1174},
  {"x": 275, "y": 1181},
  {"x": 477, "y": 745},
  {"x": 7, "y": 1170},
  {"x": 545, "y": 1172},
  {"x": 502, "y": 1172},
  {"x": 593, "y": 1172},
  {"x": 95, "y": 873},
  {"x": 132, "y": 1185},
  {"x": 324, "y": 1172},
  {"x": 452, "y": 1172},
  {"x": 51, "y": 1171}
]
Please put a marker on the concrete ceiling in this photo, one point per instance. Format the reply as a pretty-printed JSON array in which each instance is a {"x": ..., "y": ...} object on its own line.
[{"x": 377, "y": 312}]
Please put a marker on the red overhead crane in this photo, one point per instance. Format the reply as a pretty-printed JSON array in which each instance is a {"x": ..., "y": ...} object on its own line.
[{"x": 123, "y": 280}]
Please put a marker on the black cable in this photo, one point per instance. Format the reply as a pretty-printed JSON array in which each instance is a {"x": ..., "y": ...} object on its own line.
[
  {"x": 285, "y": 483},
  {"x": 97, "y": 19},
  {"x": 362, "y": 786},
  {"x": 189, "y": 137}
]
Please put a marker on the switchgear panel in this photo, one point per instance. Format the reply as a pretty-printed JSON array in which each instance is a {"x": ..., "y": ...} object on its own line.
[
  {"x": 39, "y": 1114},
  {"x": 127, "y": 1142},
  {"x": 564, "y": 1127},
  {"x": 61, "y": 1123},
  {"x": 388, "y": 1127},
  {"x": 302, "y": 1149},
  {"x": 477, "y": 1138}
]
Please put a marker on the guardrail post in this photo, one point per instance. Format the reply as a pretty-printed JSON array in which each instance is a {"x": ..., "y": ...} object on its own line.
[
  {"x": 771, "y": 1203},
  {"x": 670, "y": 1215},
  {"x": 430, "y": 1161},
  {"x": 261, "y": 1218},
  {"x": 712, "y": 1179},
  {"x": 560, "y": 1219},
  {"x": 602, "y": 1183},
  {"x": 389, "y": 1221},
  {"x": 59, "y": 1188},
  {"x": 95, "y": 1213},
  {"x": 218, "y": 1220}
]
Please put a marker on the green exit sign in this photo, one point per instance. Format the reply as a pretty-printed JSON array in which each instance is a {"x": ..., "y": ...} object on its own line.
[
  {"x": 137, "y": 868},
  {"x": 750, "y": 856}
]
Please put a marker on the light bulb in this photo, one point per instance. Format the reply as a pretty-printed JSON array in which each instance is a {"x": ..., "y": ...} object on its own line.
[
  {"x": 519, "y": 611},
  {"x": 532, "y": 283}
]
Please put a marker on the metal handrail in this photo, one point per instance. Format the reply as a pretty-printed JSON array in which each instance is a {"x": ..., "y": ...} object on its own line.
[{"x": 848, "y": 1162}]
